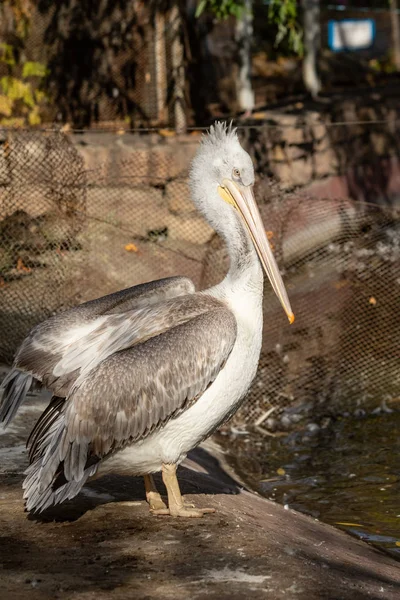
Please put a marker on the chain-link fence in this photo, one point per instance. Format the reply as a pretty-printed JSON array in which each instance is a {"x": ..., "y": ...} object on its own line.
[
  {"x": 71, "y": 231},
  {"x": 342, "y": 270},
  {"x": 42, "y": 212}
]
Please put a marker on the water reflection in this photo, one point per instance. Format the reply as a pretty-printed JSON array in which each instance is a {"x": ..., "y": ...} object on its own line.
[{"x": 346, "y": 475}]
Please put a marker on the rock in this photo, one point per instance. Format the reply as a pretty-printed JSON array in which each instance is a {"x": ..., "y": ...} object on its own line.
[
  {"x": 313, "y": 428},
  {"x": 294, "y": 135},
  {"x": 95, "y": 157},
  {"x": 324, "y": 163},
  {"x": 178, "y": 198},
  {"x": 380, "y": 143},
  {"x": 104, "y": 543},
  {"x": 294, "y": 152},
  {"x": 299, "y": 172},
  {"x": 278, "y": 153},
  {"x": 133, "y": 159},
  {"x": 137, "y": 210},
  {"x": 319, "y": 131},
  {"x": 36, "y": 199},
  {"x": 190, "y": 229},
  {"x": 285, "y": 421},
  {"x": 153, "y": 164}
]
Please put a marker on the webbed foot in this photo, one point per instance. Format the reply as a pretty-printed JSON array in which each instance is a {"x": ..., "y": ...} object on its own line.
[{"x": 176, "y": 505}]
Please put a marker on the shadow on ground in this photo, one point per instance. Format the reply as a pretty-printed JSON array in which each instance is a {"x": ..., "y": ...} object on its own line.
[{"x": 105, "y": 544}]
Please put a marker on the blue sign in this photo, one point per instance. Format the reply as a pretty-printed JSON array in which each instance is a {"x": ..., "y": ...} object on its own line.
[{"x": 351, "y": 34}]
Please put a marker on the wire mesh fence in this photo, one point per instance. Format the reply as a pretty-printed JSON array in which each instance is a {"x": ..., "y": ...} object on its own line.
[
  {"x": 70, "y": 232},
  {"x": 42, "y": 211},
  {"x": 341, "y": 261}
]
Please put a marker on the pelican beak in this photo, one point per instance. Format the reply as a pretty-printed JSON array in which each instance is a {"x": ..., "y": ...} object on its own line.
[{"x": 242, "y": 198}]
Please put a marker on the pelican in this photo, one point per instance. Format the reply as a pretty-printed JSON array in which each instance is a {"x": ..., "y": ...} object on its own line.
[{"x": 142, "y": 376}]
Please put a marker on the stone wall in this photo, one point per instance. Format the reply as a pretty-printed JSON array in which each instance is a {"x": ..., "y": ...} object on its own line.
[
  {"x": 345, "y": 151},
  {"x": 355, "y": 140}
]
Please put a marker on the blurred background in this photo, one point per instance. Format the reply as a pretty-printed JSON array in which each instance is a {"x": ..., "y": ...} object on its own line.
[
  {"x": 181, "y": 63},
  {"x": 102, "y": 105}
]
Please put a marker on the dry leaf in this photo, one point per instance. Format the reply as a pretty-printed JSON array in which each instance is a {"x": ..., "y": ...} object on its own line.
[
  {"x": 167, "y": 132},
  {"x": 258, "y": 115},
  {"x": 340, "y": 284},
  {"x": 22, "y": 267},
  {"x": 131, "y": 248}
]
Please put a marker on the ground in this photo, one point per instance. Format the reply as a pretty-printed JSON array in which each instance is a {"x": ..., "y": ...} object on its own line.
[{"x": 105, "y": 545}]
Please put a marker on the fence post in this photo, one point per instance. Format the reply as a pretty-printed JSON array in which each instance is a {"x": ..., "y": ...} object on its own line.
[
  {"x": 394, "y": 17},
  {"x": 312, "y": 35},
  {"x": 178, "y": 70},
  {"x": 243, "y": 36},
  {"x": 161, "y": 66}
]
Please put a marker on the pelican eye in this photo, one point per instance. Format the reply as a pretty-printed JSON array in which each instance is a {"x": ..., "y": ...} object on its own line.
[{"x": 236, "y": 173}]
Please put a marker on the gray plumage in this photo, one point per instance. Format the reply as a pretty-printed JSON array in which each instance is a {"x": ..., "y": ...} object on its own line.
[
  {"x": 42, "y": 349},
  {"x": 47, "y": 352},
  {"x": 148, "y": 353},
  {"x": 151, "y": 371},
  {"x": 13, "y": 391}
]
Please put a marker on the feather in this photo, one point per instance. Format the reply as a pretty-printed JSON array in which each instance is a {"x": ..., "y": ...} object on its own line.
[
  {"x": 50, "y": 343},
  {"x": 13, "y": 391},
  {"x": 142, "y": 388}
]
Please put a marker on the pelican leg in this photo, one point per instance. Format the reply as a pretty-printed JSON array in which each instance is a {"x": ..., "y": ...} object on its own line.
[
  {"x": 176, "y": 506},
  {"x": 152, "y": 495}
]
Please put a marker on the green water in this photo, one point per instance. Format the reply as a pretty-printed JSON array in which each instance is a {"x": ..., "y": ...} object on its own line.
[{"x": 347, "y": 474}]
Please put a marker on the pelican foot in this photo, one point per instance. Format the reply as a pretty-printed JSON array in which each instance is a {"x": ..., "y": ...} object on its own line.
[
  {"x": 153, "y": 497},
  {"x": 184, "y": 511},
  {"x": 176, "y": 505},
  {"x": 155, "y": 502},
  {"x": 188, "y": 504}
]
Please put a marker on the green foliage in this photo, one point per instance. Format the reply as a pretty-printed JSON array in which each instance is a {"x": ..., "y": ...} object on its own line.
[
  {"x": 20, "y": 102},
  {"x": 20, "y": 98},
  {"x": 284, "y": 14},
  {"x": 222, "y": 9},
  {"x": 7, "y": 54},
  {"x": 33, "y": 69},
  {"x": 21, "y": 9},
  {"x": 384, "y": 64}
]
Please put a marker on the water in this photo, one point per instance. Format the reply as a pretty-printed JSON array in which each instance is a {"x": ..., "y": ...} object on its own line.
[{"x": 347, "y": 474}]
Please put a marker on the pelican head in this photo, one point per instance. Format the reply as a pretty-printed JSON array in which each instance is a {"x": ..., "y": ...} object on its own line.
[{"x": 222, "y": 179}]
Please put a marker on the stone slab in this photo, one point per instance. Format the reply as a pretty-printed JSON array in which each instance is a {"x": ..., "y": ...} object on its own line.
[{"x": 104, "y": 544}]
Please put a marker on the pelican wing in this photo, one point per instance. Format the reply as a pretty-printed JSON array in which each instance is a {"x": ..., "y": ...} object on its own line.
[
  {"x": 46, "y": 352},
  {"x": 134, "y": 392},
  {"x": 125, "y": 398}
]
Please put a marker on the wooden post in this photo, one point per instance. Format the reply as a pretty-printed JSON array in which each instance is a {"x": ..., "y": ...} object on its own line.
[
  {"x": 178, "y": 70},
  {"x": 243, "y": 36},
  {"x": 394, "y": 18},
  {"x": 161, "y": 67},
  {"x": 312, "y": 31}
]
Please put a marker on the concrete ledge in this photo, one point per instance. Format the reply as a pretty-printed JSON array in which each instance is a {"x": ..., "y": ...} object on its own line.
[{"x": 105, "y": 545}]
